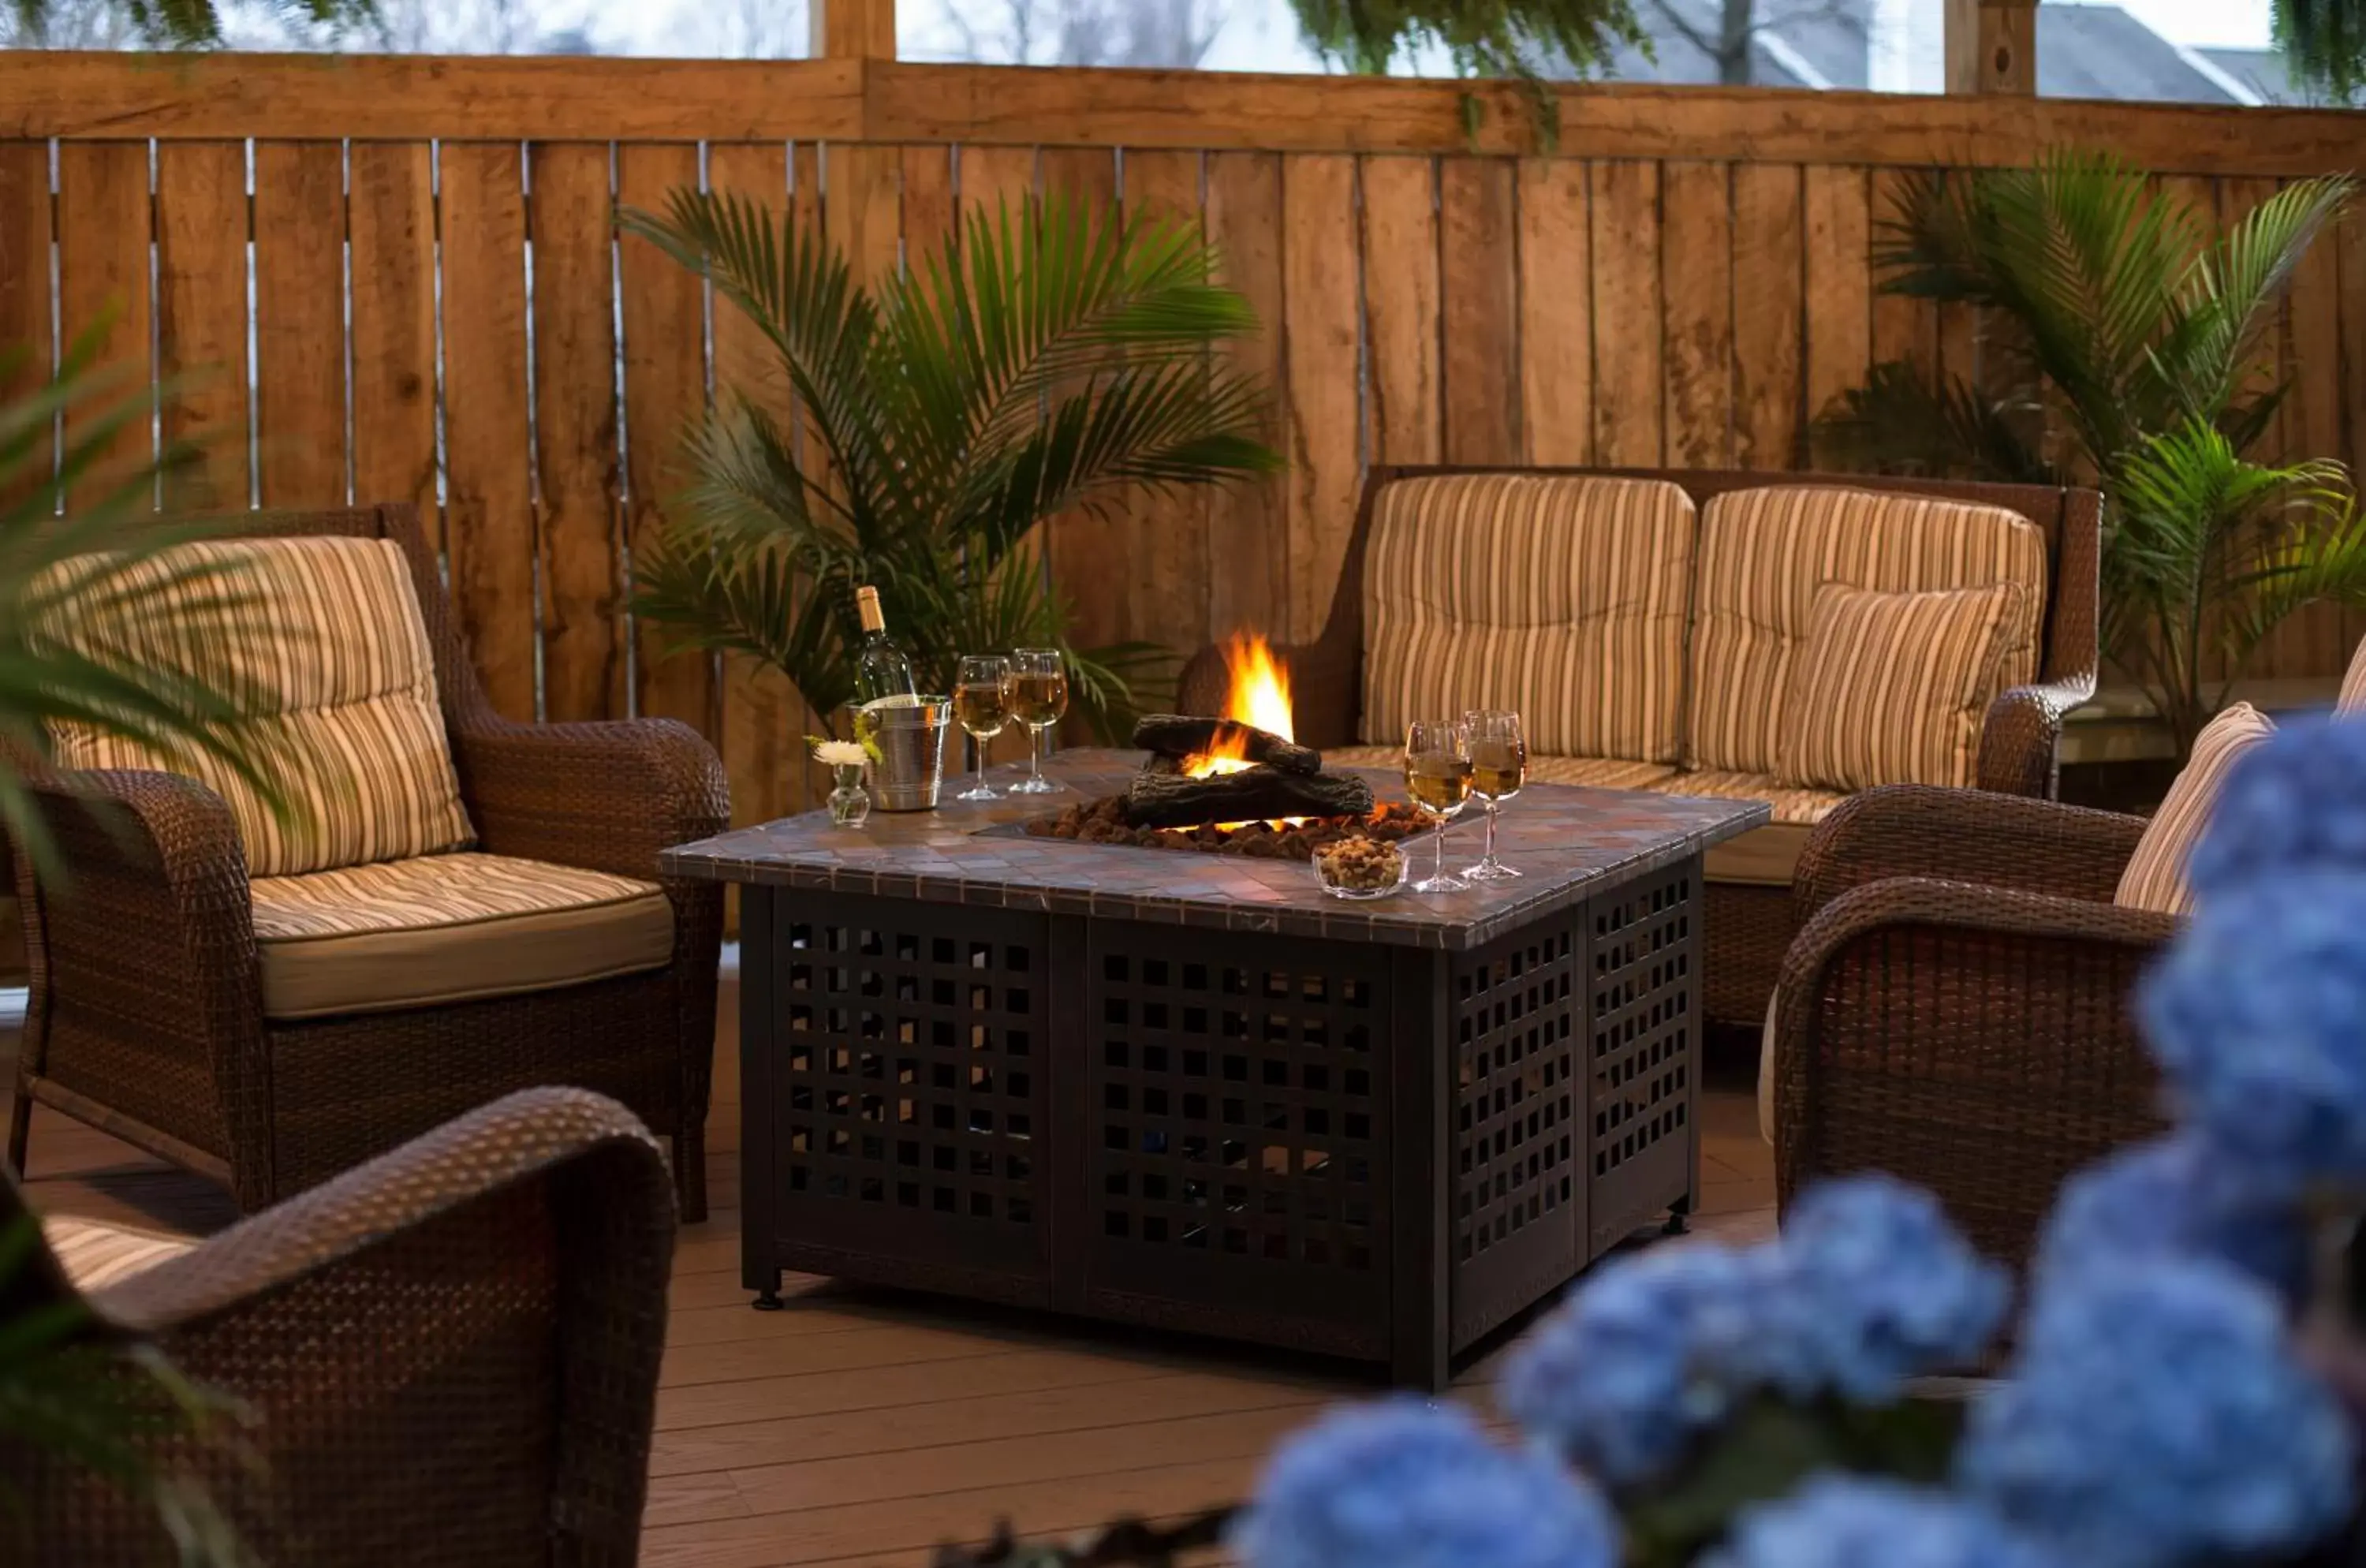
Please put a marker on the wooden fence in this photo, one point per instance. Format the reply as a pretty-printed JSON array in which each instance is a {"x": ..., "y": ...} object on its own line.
[{"x": 440, "y": 300}]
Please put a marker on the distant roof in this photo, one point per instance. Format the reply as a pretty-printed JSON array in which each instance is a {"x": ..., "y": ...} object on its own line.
[
  {"x": 2101, "y": 51},
  {"x": 2262, "y": 69}
]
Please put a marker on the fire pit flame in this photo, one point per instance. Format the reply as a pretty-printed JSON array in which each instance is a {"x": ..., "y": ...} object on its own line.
[{"x": 1258, "y": 696}]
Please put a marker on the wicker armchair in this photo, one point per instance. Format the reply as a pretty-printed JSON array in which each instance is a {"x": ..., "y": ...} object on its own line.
[
  {"x": 451, "y": 1352},
  {"x": 1956, "y": 1009},
  {"x": 148, "y": 1015}
]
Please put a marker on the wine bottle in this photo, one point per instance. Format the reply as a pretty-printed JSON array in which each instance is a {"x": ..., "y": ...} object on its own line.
[{"x": 882, "y": 672}]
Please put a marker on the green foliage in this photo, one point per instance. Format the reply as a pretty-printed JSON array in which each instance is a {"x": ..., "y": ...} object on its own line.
[
  {"x": 2323, "y": 46},
  {"x": 2122, "y": 346},
  {"x": 1052, "y": 362}
]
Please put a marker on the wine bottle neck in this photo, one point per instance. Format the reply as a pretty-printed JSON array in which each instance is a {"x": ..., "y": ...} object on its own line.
[{"x": 866, "y": 606}]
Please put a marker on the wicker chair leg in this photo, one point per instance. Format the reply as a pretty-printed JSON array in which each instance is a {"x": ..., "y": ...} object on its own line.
[
  {"x": 690, "y": 1174},
  {"x": 20, "y": 1131}
]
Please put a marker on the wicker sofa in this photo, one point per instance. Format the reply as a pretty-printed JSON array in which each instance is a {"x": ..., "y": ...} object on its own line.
[
  {"x": 1630, "y": 677},
  {"x": 271, "y": 1025},
  {"x": 451, "y": 1354}
]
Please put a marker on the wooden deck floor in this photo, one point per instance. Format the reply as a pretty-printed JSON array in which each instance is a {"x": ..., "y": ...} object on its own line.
[{"x": 866, "y": 1426}]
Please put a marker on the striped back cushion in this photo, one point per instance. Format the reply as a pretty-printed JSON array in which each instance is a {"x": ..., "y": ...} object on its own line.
[
  {"x": 2353, "y": 685},
  {"x": 2154, "y": 878},
  {"x": 1559, "y": 596},
  {"x": 1890, "y": 688},
  {"x": 1764, "y": 554},
  {"x": 328, "y": 649}
]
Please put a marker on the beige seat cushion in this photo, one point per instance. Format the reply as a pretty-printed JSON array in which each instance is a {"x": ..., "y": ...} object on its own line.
[
  {"x": 446, "y": 928},
  {"x": 1764, "y": 857},
  {"x": 2353, "y": 685},
  {"x": 1765, "y": 553},
  {"x": 326, "y": 645},
  {"x": 2155, "y": 876},
  {"x": 1892, "y": 688},
  {"x": 96, "y": 1254},
  {"x": 1792, "y": 804},
  {"x": 1561, "y": 597},
  {"x": 1594, "y": 772}
]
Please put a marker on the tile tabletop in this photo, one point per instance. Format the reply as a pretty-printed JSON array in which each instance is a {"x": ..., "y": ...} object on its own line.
[{"x": 1569, "y": 843}]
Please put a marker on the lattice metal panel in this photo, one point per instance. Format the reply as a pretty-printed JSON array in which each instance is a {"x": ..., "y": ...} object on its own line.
[
  {"x": 1236, "y": 1132},
  {"x": 1517, "y": 1010},
  {"x": 911, "y": 1081},
  {"x": 1644, "y": 1051}
]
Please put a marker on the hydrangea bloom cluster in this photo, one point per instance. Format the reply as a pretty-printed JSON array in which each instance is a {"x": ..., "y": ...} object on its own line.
[
  {"x": 2155, "y": 1414},
  {"x": 1404, "y": 1485},
  {"x": 1851, "y": 1522},
  {"x": 2177, "y": 1196}
]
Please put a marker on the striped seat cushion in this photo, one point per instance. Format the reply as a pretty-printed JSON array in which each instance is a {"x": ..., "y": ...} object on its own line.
[
  {"x": 1890, "y": 688},
  {"x": 95, "y": 1254},
  {"x": 2353, "y": 685},
  {"x": 2154, "y": 878},
  {"x": 1594, "y": 773},
  {"x": 1793, "y": 803},
  {"x": 1766, "y": 553},
  {"x": 327, "y": 646},
  {"x": 1558, "y": 596},
  {"x": 449, "y": 928}
]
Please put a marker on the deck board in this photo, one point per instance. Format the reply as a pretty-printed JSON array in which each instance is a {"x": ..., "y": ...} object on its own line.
[{"x": 863, "y": 1427}]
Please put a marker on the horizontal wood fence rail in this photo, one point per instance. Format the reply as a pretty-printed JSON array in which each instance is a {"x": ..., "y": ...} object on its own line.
[{"x": 441, "y": 309}]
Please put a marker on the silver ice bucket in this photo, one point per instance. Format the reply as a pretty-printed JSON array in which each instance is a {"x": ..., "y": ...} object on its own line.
[{"x": 910, "y": 767}]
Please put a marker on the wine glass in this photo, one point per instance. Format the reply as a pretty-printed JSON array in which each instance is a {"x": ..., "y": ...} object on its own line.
[
  {"x": 1437, "y": 776},
  {"x": 1498, "y": 765},
  {"x": 1039, "y": 699},
  {"x": 982, "y": 704}
]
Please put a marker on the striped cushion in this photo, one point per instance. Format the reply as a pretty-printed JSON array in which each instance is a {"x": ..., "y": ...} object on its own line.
[
  {"x": 449, "y": 928},
  {"x": 1764, "y": 554},
  {"x": 1594, "y": 773},
  {"x": 1562, "y": 598},
  {"x": 333, "y": 655},
  {"x": 2353, "y": 685},
  {"x": 1790, "y": 802},
  {"x": 95, "y": 1254},
  {"x": 2154, "y": 878},
  {"x": 1890, "y": 688}
]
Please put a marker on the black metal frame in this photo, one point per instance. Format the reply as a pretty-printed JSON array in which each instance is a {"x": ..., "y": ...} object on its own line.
[{"x": 1373, "y": 1152}]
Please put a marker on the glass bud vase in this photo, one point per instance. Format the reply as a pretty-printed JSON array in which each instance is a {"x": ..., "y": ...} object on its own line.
[{"x": 850, "y": 803}]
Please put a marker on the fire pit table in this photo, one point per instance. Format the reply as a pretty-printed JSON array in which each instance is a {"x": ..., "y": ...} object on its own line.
[{"x": 1190, "y": 1090}]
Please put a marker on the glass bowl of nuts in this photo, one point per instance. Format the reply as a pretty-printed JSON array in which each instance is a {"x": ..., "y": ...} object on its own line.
[{"x": 1360, "y": 868}]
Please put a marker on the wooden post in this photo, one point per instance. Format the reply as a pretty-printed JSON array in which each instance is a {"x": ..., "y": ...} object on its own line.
[
  {"x": 1991, "y": 47},
  {"x": 853, "y": 29}
]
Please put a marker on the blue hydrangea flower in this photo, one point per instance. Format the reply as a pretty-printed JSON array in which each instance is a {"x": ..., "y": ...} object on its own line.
[
  {"x": 1857, "y": 1522},
  {"x": 1877, "y": 1287},
  {"x": 1404, "y": 1485},
  {"x": 2258, "y": 1015},
  {"x": 2177, "y": 1195},
  {"x": 2295, "y": 803},
  {"x": 2155, "y": 1415},
  {"x": 1641, "y": 1358}
]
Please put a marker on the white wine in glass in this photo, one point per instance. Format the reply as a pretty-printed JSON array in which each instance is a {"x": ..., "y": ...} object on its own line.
[
  {"x": 1039, "y": 699},
  {"x": 982, "y": 705},
  {"x": 1437, "y": 776},
  {"x": 1499, "y": 766}
]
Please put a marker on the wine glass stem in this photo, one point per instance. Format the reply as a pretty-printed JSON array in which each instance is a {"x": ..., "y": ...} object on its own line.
[
  {"x": 978, "y": 743},
  {"x": 1489, "y": 858},
  {"x": 1034, "y": 753},
  {"x": 1437, "y": 860}
]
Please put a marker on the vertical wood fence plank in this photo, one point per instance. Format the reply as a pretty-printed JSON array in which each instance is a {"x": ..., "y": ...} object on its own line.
[
  {"x": 1164, "y": 588},
  {"x": 1480, "y": 283},
  {"x": 1839, "y": 283},
  {"x": 663, "y": 309},
  {"x": 1767, "y": 316},
  {"x": 996, "y": 179},
  {"x": 1629, "y": 428},
  {"x": 1903, "y": 328},
  {"x": 929, "y": 217},
  {"x": 103, "y": 233},
  {"x": 25, "y": 220},
  {"x": 1556, "y": 312},
  {"x": 1090, "y": 552},
  {"x": 1325, "y": 452},
  {"x": 1696, "y": 278},
  {"x": 300, "y": 322},
  {"x": 392, "y": 215},
  {"x": 572, "y": 224},
  {"x": 1248, "y": 553},
  {"x": 201, "y": 227},
  {"x": 488, "y": 510},
  {"x": 1401, "y": 306}
]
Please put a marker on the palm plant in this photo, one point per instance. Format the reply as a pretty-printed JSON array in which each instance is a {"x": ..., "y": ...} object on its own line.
[
  {"x": 2120, "y": 335},
  {"x": 1053, "y": 362}
]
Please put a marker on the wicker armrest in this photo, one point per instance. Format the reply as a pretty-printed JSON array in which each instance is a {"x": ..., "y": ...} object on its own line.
[
  {"x": 1324, "y": 686},
  {"x": 606, "y": 796},
  {"x": 1974, "y": 1040},
  {"x": 452, "y": 1344},
  {"x": 2022, "y": 739},
  {"x": 1959, "y": 835}
]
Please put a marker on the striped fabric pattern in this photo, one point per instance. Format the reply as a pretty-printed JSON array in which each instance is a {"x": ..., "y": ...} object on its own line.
[
  {"x": 1560, "y": 597},
  {"x": 95, "y": 1254},
  {"x": 328, "y": 646},
  {"x": 1890, "y": 688},
  {"x": 1791, "y": 804},
  {"x": 2353, "y": 685},
  {"x": 1766, "y": 553},
  {"x": 1594, "y": 773},
  {"x": 430, "y": 891},
  {"x": 2154, "y": 878}
]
